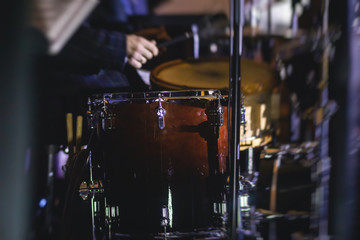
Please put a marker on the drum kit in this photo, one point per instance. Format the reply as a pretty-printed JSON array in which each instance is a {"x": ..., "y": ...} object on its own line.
[{"x": 159, "y": 160}]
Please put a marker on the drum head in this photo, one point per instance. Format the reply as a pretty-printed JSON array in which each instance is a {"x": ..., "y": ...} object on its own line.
[{"x": 212, "y": 74}]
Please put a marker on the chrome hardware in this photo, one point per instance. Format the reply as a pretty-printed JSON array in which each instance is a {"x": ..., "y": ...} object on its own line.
[
  {"x": 106, "y": 115},
  {"x": 215, "y": 111},
  {"x": 165, "y": 219},
  {"x": 160, "y": 113},
  {"x": 92, "y": 188},
  {"x": 165, "y": 216},
  {"x": 242, "y": 115},
  {"x": 90, "y": 115},
  {"x": 84, "y": 190},
  {"x": 112, "y": 218},
  {"x": 101, "y": 115},
  {"x": 220, "y": 213}
]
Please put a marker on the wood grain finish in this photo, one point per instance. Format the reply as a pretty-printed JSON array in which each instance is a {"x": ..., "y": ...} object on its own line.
[{"x": 143, "y": 163}]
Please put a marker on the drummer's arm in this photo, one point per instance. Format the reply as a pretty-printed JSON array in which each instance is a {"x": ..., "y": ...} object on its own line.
[
  {"x": 139, "y": 50},
  {"x": 107, "y": 49},
  {"x": 91, "y": 48}
]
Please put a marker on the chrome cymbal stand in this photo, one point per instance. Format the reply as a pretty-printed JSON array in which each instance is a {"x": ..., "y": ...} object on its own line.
[{"x": 236, "y": 35}]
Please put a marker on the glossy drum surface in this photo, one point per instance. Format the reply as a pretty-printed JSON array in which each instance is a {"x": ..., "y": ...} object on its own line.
[{"x": 180, "y": 167}]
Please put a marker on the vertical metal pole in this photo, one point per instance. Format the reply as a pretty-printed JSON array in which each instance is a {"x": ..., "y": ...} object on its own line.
[
  {"x": 236, "y": 9},
  {"x": 92, "y": 203}
]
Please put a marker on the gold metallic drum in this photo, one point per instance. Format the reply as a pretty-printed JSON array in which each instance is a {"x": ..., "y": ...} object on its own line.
[
  {"x": 258, "y": 81},
  {"x": 211, "y": 74}
]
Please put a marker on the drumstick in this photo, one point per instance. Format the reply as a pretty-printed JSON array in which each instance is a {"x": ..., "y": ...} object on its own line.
[
  {"x": 210, "y": 25},
  {"x": 79, "y": 124},
  {"x": 70, "y": 135},
  {"x": 177, "y": 39}
]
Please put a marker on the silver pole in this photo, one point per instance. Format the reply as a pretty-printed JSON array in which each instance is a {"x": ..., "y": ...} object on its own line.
[{"x": 236, "y": 34}]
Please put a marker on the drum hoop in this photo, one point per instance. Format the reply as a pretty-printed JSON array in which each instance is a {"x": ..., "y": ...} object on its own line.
[{"x": 153, "y": 96}]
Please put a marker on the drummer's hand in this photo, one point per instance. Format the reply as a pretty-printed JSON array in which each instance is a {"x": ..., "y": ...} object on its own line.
[{"x": 139, "y": 50}]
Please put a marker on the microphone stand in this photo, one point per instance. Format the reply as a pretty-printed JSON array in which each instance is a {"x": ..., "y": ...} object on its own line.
[{"x": 236, "y": 34}]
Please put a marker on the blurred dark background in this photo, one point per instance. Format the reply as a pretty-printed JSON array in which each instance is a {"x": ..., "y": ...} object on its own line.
[{"x": 20, "y": 49}]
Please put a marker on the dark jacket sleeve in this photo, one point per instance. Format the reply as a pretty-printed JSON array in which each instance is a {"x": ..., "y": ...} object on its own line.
[{"x": 91, "y": 49}]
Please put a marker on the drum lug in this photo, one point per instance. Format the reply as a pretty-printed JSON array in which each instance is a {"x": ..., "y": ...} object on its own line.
[
  {"x": 90, "y": 115},
  {"x": 215, "y": 111},
  {"x": 160, "y": 113},
  {"x": 106, "y": 116},
  {"x": 242, "y": 115}
]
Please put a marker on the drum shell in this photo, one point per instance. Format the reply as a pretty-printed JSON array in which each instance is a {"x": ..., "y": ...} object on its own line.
[{"x": 147, "y": 167}]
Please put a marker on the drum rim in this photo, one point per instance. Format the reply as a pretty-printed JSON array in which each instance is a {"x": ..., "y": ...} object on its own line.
[{"x": 153, "y": 96}]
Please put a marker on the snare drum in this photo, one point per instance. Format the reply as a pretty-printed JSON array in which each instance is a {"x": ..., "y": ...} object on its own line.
[
  {"x": 164, "y": 159},
  {"x": 211, "y": 74},
  {"x": 258, "y": 80}
]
